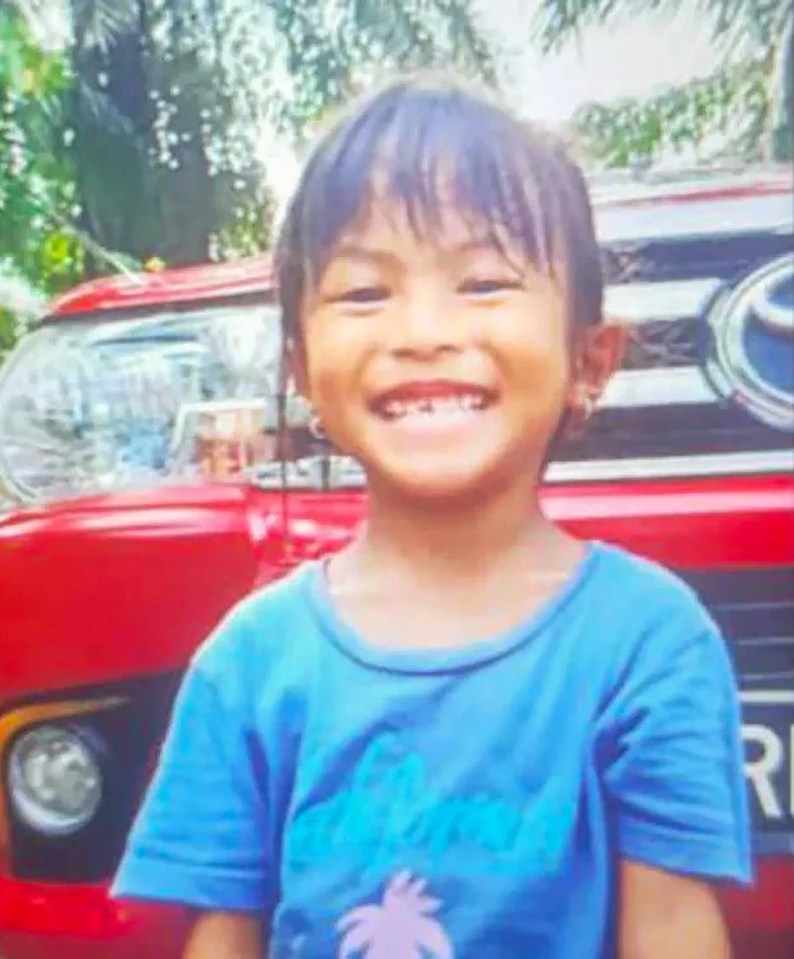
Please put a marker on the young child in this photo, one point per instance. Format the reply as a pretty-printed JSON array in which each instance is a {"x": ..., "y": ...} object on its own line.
[{"x": 468, "y": 734}]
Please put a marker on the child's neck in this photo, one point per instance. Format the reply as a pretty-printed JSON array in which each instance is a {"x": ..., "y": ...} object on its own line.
[{"x": 456, "y": 542}]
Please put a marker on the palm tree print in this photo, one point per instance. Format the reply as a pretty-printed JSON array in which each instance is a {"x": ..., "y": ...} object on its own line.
[{"x": 400, "y": 927}]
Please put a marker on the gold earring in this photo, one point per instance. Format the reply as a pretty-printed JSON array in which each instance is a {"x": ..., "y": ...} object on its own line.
[
  {"x": 582, "y": 404},
  {"x": 316, "y": 427}
]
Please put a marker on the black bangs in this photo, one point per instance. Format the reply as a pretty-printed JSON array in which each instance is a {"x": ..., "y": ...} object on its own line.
[{"x": 427, "y": 146}]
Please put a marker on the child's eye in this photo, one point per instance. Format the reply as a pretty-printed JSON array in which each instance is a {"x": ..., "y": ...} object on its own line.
[
  {"x": 363, "y": 295},
  {"x": 484, "y": 287}
]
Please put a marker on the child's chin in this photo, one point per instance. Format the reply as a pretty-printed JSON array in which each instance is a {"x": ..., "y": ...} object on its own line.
[{"x": 434, "y": 486}]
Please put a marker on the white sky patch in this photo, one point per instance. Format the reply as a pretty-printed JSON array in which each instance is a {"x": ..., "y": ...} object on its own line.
[
  {"x": 49, "y": 23},
  {"x": 633, "y": 58}
]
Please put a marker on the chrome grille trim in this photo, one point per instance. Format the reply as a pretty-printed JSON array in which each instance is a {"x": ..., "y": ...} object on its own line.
[
  {"x": 694, "y": 218},
  {"x": 754, "y": 609},
  {"x": 342, "y": 472},
  {"x": 663, "y": 386},
  {"x": 639, "y": 303},
  {"x": 768, "y": 697},
  {"x": 673, "y": 467}
]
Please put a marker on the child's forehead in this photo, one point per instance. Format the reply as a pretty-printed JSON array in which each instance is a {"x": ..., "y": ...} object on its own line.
[
  {"x": 429, "y": 194},
  {"x": 385, "y": 222}
]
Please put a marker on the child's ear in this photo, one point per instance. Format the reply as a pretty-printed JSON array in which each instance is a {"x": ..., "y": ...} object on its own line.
[{"x": 598, "y": 353}]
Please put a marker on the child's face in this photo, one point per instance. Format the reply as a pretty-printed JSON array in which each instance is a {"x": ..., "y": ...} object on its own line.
[{"x": 442, "y": 366}]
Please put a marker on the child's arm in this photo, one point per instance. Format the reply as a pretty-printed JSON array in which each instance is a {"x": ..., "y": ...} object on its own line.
[
  {"x": 202, "y": 839},
  {"x": 663, "y": 915},
  {"x": 674, "y": 781},
  {"x": 225, "y": 935}
]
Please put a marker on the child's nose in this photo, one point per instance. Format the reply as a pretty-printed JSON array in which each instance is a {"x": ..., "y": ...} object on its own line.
[{"x": 425, "y": 325}]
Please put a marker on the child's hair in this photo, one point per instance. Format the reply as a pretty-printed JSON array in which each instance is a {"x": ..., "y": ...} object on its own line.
[{"x": 429, "y": 140}]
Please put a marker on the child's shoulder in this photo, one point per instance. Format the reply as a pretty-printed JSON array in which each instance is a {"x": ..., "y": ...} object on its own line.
[
  {"x": 634, "y": 573},
  {"x": 650, "y": 623},
  {"x": 277, "y": 598},
  {"x": 649, "y": 594},
  {"x": 260, "y": 628}
]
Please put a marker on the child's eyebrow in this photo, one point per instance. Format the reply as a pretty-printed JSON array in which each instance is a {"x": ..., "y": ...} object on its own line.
[{"x": 370, "y": 254}]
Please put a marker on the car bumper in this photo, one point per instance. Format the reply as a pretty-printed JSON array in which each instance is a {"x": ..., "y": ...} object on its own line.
[{"x": 38, "y": 921}]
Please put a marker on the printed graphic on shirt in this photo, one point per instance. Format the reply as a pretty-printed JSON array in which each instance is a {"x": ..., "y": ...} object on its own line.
[
  {"x": 390, "y": 814},
  {"x": 402, "y": 926}
]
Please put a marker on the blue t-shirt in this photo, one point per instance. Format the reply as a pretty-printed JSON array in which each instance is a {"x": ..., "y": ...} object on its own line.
[{"x": 428, "y": 804}]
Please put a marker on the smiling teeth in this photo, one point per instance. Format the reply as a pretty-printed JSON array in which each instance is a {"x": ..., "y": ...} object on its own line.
[{"x": 428, "y": 407}]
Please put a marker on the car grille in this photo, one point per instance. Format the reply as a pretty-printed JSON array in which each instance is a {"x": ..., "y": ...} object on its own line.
[
  {"x": 755, "y": 610},
  {"x": 662, "y": 404},
  {"x": 721, "y": 257}
]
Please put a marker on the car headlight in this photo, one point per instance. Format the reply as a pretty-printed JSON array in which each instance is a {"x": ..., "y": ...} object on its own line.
[
  {"x": 54, "y": 780},
  {"x": 98, "y": 404}
]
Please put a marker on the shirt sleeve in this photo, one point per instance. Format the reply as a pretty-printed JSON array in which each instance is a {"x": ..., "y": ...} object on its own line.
[
  {"x": 673, "y": 754},
  {"x": 200, "y": 837}
]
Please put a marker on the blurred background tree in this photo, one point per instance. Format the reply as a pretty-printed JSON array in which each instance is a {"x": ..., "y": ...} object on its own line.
[
  {"x": 140, "y": 129},
  {"x": 134, "y": 130},
  {"x": 168, "y": 102},
  {"x": 742, "y": 112},
  {"x": 719, "y": 118},
  {"x": 38, "y": 252}
]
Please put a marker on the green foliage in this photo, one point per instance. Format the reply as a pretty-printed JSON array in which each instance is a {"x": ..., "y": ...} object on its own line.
[
  {"x": 721, "y": 116},
  {"x": 37, "y": 182},
  {"x": 748, "y": 26},
  {"x": 743, "y": 110},
  {"x": 216, "y": 80},
  {"x": 334, "y": 49},
  {"x": 170, "y": 103},
  {"x": 142, "y": 136}
]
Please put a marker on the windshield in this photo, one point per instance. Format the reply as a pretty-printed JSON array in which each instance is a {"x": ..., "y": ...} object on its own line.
[{"x": 89, "y": 406}]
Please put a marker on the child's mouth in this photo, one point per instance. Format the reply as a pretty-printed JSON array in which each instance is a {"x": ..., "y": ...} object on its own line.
[
  {"x": 444, "y": 406},
  {"x": 429, "y": 405}
]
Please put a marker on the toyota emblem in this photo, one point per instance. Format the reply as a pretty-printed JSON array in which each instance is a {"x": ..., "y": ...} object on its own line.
[{"x": 751, "y": 357}]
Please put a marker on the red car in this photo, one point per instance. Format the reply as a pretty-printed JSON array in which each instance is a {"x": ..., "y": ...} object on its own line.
[{"x": 144, "y": 480}]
